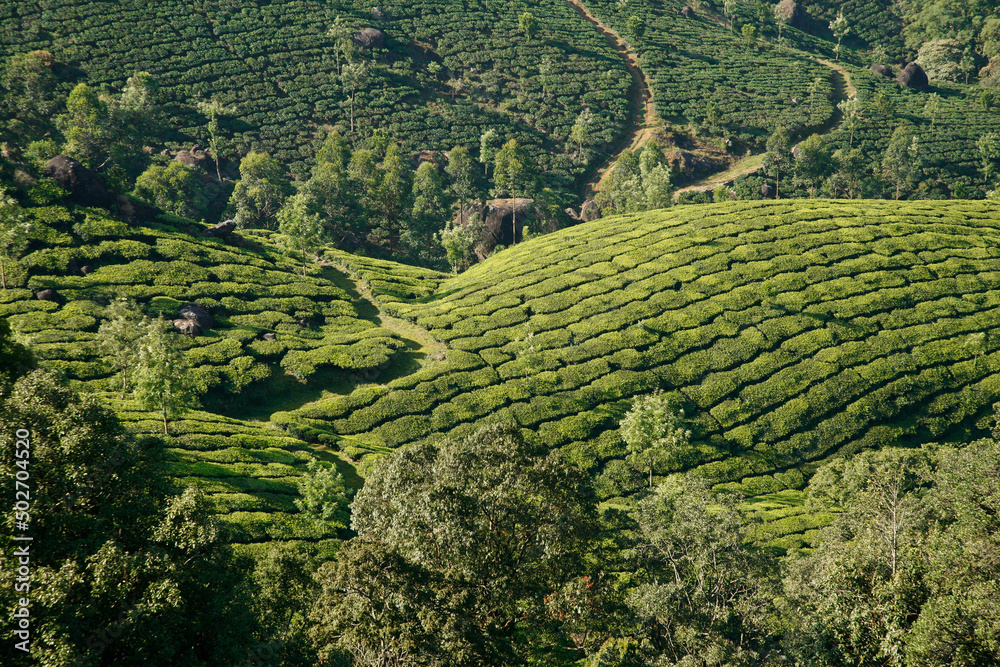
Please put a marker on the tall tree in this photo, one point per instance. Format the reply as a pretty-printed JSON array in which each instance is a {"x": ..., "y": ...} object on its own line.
[
  {"x": 15, "y": 233},
  {"x": 512, "y": 176},
  {"x": 989, "y": 156},
  {"x": 461, "y": 544},
  {"x": 163, "y": 381},
  {"x": 653, "y": 431},
  {"x": 119, "y": 336},
  {"x": 778, "y": 158},
  {"x": 329, "y": 189},
  {"x": 528, "y": 24},
  {"x": 462, "y": 176},
  {"x": 260, "y": 192},
  {"x": 212, "y": 110},
  {"x": 814, "y": 163},
  {"x": 323, "y": 496},
  {"x": 582, "y": 132},
  {"x": 342, "y": 36},
  {"x": 840, "y": 28},
  {"x": 301, "y": 229},
  {"x": 489, "y": 144},
  {"x": 901, "y": 160},
  {"x": 428, "y": 213},
  {"x": 29, "y": 93},
  {"x": 354, "y": 77}
]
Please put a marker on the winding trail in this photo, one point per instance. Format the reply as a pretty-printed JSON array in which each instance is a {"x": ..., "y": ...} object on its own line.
[
  {"x": 844, "y": 88},
  {"x": 416, "y": 337},
  {"x": 644, "y": 118}
]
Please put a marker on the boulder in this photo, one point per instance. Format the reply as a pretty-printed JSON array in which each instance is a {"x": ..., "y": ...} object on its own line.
[
  {"x": 49, "y": 295},
  {"x": 86, "y": 269},
  {"x": 72, "y": 267},
  {"x": 196, "y": 158},
  {"x": 589, "y": 211},
  {"x": 790, "y": 13},
  {"x": 883, "y": 70},
  {"x": 198, "y": 314},
  {"x": 913, "y": 76},
  {"x": 270, "y": 336},
  {"x": 369, "y": 38},
  {"x": 84, "y": 186},
  {"x": 221, "y": 230},
  {"x": 687, "y": 11},
  {"x": 503, "y": 218},
  {"x": 767, "y": 191},
  {"x": 187, "y": 327}
]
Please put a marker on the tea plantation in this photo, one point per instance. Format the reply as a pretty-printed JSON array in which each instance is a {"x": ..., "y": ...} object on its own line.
[
  {"x": 446, "y": 72},
  {"x": 788, "y": 331},
  {"x": 317, "y": 338}
]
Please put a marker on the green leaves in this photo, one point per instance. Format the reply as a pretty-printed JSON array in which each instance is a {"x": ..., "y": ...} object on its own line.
[{"x": 323, "y": 496}]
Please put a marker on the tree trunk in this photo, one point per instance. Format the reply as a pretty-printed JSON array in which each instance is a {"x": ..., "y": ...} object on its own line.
[
  {"x": 3, "y": 274},
  {"x": 124, "y": 380},
  {"x": 165, "y": 429}
]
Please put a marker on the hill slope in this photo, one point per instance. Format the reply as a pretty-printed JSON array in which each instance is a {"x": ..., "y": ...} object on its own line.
[{"x": 790, "y": 331}]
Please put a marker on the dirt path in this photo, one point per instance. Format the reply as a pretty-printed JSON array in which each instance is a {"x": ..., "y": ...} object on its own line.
[
  {"x": 369, "y": 308},
  {"x": 644, "y": 118},
  {"x": 844, "y": 88}
]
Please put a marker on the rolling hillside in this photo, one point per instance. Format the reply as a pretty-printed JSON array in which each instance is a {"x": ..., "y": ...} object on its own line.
[{"x": 789, "y": 331}]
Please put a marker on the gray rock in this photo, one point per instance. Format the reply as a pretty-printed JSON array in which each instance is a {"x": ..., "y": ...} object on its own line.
[
  {"x": 270, "y": 336},
  {"x": 221, "y": 230},
  {"x": 913, "y": 76},
  {"x": 198, "y": 314},
  {"x": 187, "y": 327},
  {"x": 883, "y": 70},
  {"x": 370, "y": 38},
  {"x": 49, "y": 295},
  {"x": 84, "y": 186}
]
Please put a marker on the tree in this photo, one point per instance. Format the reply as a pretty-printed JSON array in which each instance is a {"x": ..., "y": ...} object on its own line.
[
  {"x": 459, "y": 546},
  {"x": 840, "y": 28},
  {"x": 814, "y": 163},
  {"x": 901, "y": 161},
  {"x": 85, "y": 126},
  {"x": 15, "y": 359},
  {"x": 849, "y": 109},
  {"x": 705, "y": 593},
  {"x": 778, "y": 158},
  {"x": 163, "y": 381},
  {"x": 853, "y": 599},
  {"x": 512, "y": 176},
  {"x": 623, "y": 191},
  {"x": 342, "y": 36},
  {"x": 211, "y": 111},
  {"x": 749, "y": 33},
  {"x": 429, "y": 210},
  {"x": 15, "y": 233},
  {"x": 489, "y": 144},
  {"x": 171, "y": 188},
  {"x": 260, "y": 192},
  {"x": 657, "y": 179},
  {"x": 323, "y": 496},
  {"x": 329, "y": 189},
  {"x": 119, "y": 336},
  {"x": 458, "y": 241},
  {"x": 636, "y": 26},
  {"x": 933, "y": 107},
  {"x": 884, "y": 104},
  {"x": 391, "y": 198},
  {"x": 941, "y": 59},
  {"x": 850, "y": 164},
  {"x": 654, "y": 433},
  {"x": 29, "y": 93},
  {"x": 989, "y": 155},
  {"x": 727, "y": 7},
  {"x": 462, "y": 176},
  {"x": 300, "y": 228},
  {"x": 528, "y": 24},
  {"x": 582, "y": 131},
  {"x": 354, "y": 76}
]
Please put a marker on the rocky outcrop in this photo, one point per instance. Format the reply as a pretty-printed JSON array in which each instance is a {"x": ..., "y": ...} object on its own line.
[
  {"x": 49, "y": 295},
  {"x": 84, "y": 186},
  {"x": 193, "y": 319},
  {"x": 221, "y": 230},
  {"x": 913, "y": 76},
  {"x": 883, "y": 70},
  {"x": 588, "y": 212},
  {"x": 369, "y": 38},
  {"x": 504, "y": 220},
  {"x": 767, "y": 191},
  {"x": 196, "y": 158}
]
